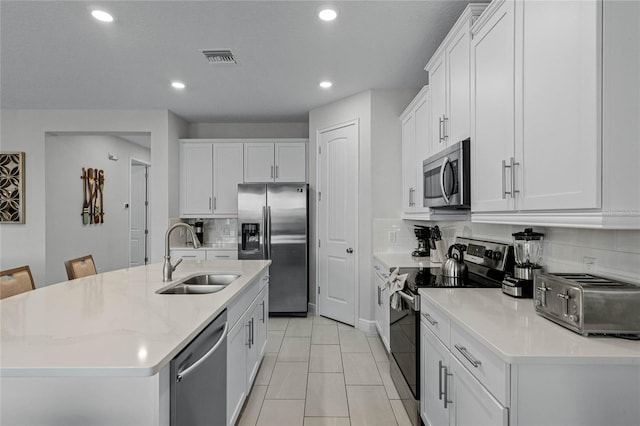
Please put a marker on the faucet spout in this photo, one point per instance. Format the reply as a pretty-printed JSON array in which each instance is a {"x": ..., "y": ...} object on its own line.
[{"x": 167, "y": 267}]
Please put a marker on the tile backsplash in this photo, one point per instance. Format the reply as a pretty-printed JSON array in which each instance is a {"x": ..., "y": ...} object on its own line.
[
  {"x": 217, "y": 231},
  {"x": 616, "y": 253}
]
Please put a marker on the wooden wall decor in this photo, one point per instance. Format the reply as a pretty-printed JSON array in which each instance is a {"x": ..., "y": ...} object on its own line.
[
  {"x": 12, "y": 187},
  {"x": 92, "y": 192}
]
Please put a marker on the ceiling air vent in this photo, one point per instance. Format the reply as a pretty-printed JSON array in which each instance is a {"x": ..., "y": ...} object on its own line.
[{"x": 220, "y": 56}]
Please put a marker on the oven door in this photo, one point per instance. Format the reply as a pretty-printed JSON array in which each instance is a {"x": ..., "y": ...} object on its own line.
[
  {"x": 405, "y": 351},
  {"x": 446, "y": 178}
]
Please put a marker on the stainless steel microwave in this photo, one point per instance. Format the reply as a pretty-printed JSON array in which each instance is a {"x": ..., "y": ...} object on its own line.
[{"x": 446, "y": 177}]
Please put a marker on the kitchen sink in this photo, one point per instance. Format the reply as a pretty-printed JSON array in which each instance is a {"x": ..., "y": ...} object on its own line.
[{"x": 200, "y": 284}]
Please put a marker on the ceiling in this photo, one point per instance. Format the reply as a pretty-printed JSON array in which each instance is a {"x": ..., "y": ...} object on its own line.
[{"x": 54, "y": 55}]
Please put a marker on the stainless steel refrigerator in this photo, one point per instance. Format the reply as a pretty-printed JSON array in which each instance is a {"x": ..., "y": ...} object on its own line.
[{"x": 273, "y": 224}]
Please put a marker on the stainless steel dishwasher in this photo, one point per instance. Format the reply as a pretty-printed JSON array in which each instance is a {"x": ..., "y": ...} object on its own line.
[{"x": 199, "y": 378}]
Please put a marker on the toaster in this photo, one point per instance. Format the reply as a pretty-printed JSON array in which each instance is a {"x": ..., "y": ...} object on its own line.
[{"x": 588, "y": 304}]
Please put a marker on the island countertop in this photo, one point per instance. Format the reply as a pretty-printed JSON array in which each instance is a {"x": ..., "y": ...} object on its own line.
[{"x": 112, "y": 324}]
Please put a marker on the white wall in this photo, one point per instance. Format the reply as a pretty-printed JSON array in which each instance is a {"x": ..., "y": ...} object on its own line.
[
  {"x": 24, "y": 130},
  {"x": 66, "y": 236},
  {"x": 248, "y": 130},
  {"x": 379, "y": 156},
  {"x": 617, "y": 253}
]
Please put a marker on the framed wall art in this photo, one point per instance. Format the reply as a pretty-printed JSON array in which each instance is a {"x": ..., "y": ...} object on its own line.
[{"x": 12, "y": 177}]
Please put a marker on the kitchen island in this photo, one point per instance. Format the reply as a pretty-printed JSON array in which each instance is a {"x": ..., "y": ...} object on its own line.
[
  {"x": 504, "y": 364},
  {"x": 96, "y": 350}
]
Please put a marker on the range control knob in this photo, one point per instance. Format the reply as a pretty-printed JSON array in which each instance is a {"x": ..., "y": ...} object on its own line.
[
  {"x": 488, "y": 253},
  {"x": 497, "y": 255}
]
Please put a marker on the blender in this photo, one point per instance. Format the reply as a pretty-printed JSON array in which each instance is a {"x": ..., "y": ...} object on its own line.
[{"x": 527, "y": 246}]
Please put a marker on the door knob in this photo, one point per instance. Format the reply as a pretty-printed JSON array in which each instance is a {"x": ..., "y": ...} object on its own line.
[{"x": 349, "y": 250}]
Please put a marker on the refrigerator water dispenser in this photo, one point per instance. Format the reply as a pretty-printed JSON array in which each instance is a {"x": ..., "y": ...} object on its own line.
[{"x": 250, "y": 237}]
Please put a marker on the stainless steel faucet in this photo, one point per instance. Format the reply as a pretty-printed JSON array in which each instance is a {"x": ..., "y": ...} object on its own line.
[{"x": 168, "y": 268}]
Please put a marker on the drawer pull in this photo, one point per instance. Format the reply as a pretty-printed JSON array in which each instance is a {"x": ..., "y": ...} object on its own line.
[
  {"x": 468, "y": 356},
  {"x": 429, "y": 319},
  {"x": 221, "y": 256}
]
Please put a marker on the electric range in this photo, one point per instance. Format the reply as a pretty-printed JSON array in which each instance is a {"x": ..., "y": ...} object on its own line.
[{"x": 487, "y": 262}]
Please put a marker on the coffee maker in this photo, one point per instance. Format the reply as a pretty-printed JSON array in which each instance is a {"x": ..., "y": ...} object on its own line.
[
  {"x": 423, "y": 234},
  {"x": 527, "y": 246}
]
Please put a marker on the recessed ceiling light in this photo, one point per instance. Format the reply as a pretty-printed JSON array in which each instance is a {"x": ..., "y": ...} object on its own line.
[
  {"x": 326, "y": 84},
  {"x": 178, "y": 85},
  {"x": 328, "y": 14},
  {"x": 101, "y": 15}
]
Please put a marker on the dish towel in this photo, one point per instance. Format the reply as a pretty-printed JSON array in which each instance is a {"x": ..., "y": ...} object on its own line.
[{"x": 395, "y": 283}]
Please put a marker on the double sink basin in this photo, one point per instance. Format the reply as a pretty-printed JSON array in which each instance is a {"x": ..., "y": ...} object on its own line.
[{"x": 200, "y": 284}]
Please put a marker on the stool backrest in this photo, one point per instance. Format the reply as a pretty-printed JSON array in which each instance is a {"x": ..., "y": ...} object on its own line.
[{"x": 16, "y": 281}]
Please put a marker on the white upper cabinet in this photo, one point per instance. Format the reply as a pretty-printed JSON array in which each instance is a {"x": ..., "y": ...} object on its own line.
[
  {"x": 449, "y": 81},
  {"x": 209, "y": 177},
  {"x": 258, "y": 162},
  {"x": 227, "y": 174},
  {"x": 548, "y": 102},
  {"x": 291, "y": 162},
  {"x": 409, "y": 164},
  {"x": 196, "y": 184},
  {"x": 492, "y": 138},
  {"x": 560, "y": 80},
  {"x": 275, "y": 162}
]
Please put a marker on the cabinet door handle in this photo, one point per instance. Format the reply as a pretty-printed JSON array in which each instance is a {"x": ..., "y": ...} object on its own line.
[
  {"x": 379, "y": 298},
  {"x": 468, "y": 356},
  {"x": 277, "y": 172},
  {"x": 271, "y": 172},
  {"x": 444, "y": 127},
  {"x": 513, "y": 165},
  {"x": 248, "y": 334},
  {"x": 439, "y": 129},
  {"x": 209, "y": 203},
  {"x": 446, "y": 387},
  {"x": 429, "y": 319},
  {"x": 263, "y": 313},
  {"x": 441, "y": 393},
  {"x": 215, "y": 204},
  {"x": 504, "y": 180}
]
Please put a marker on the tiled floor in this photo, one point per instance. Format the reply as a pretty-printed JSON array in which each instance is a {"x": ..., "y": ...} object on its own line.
[{"x": 319, "y": 372}]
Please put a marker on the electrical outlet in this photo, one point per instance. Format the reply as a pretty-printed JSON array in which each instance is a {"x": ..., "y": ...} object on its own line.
[
  {"x": 589, "y": 265},
  {"x": 392, "y": 236}
]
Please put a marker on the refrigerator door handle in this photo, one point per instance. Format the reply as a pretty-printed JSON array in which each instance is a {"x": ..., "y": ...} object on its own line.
[
  {"x": 267, "y": 243},
  {"x": 264, "y": 233}
]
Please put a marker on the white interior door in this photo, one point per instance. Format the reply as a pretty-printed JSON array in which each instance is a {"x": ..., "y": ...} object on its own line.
[
  {"x": 337, "y": 222},
  {"x": 138, "y": 215}
]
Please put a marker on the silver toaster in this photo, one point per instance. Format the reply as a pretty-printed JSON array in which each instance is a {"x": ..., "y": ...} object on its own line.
[{"x": 588, "y": 304}]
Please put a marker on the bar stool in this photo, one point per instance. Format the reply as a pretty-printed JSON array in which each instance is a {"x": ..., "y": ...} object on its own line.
[
  {"x": 16, "y": 281},
  {"x": 80, "y": 267}
]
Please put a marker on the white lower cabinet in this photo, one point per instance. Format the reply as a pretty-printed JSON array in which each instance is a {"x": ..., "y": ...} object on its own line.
[
  {"x": 464, "y": 380},
  {"x": 188, "y": 254},
  {"x": 246, "y": 344},
  {"x": 450, "y": 394},
  {"x": 381, "y": 307},
  {"x": 471, "y": 404}
]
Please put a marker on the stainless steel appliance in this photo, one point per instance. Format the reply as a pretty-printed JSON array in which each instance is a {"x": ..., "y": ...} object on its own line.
[
  {"x": 528, "y": 254},
  {"x": 198, "y": 387},
  {"x": 588, "y": 304},
  {"x": 486, "y": 262},
  {"x": 446, "y": 177},
  {"x": 273, "y": 224}
]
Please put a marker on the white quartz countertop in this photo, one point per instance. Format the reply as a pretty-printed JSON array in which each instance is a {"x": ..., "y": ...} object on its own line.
[
  {"x": 511, "y": 328},
  {"x": 404, "y": 260},
  {"x": 111, "y": 324}
]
